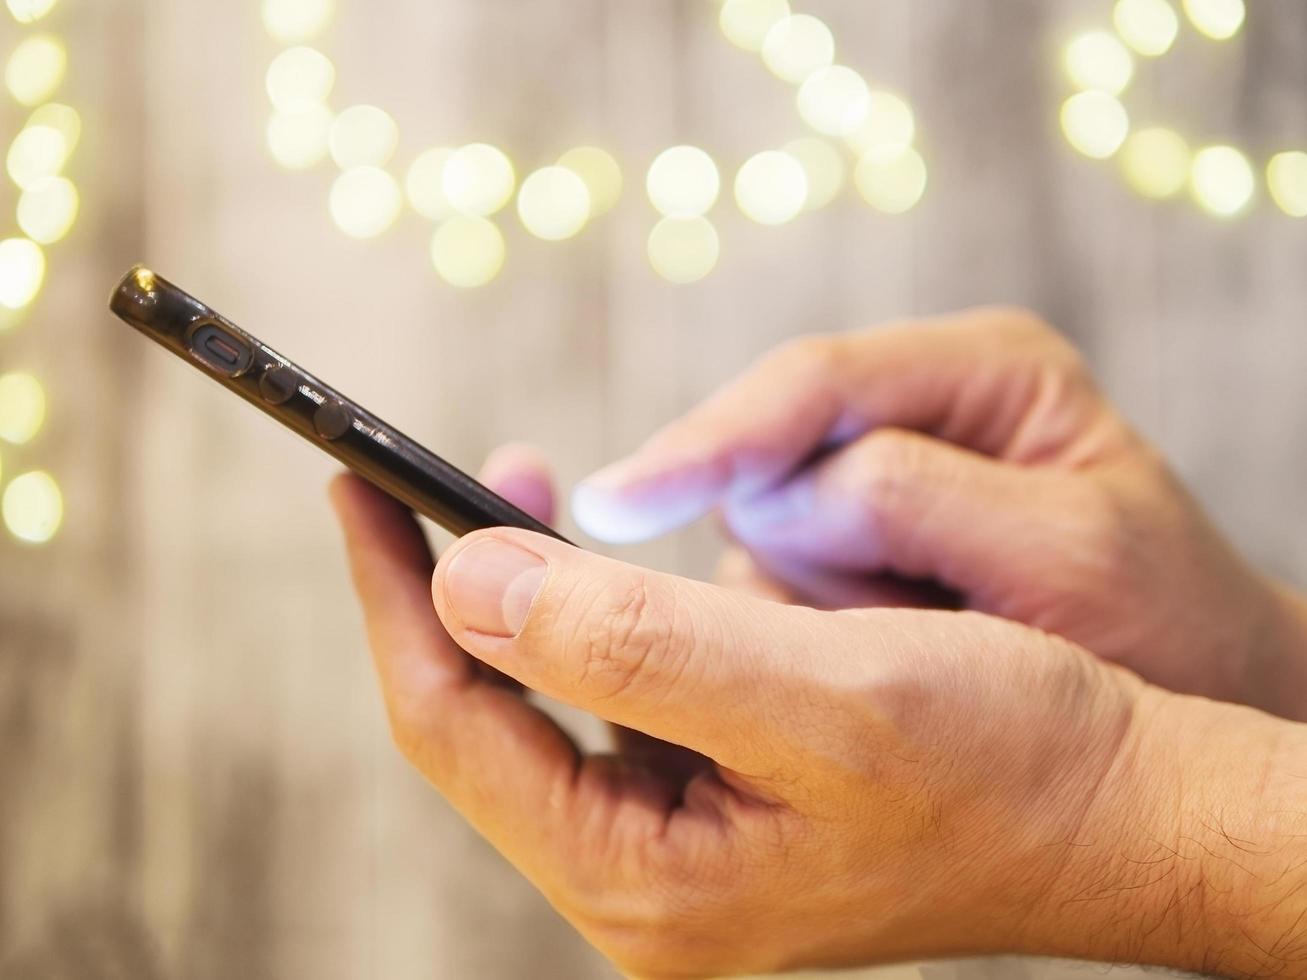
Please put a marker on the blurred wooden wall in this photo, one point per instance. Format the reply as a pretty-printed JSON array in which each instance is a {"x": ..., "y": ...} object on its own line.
[{"x": 195, "y": 777}]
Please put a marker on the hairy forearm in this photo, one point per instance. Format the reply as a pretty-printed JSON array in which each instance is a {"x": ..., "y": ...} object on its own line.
[{"x": 1196, "y": 855}]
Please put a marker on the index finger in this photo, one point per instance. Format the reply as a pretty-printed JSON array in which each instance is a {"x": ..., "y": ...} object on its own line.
[{"x": 970, "y": 379}]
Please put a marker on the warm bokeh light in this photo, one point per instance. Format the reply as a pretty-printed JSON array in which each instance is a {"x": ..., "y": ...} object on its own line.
[
  {"x": 824, "y": 166},
  {"x": 33, "y": 507},
  {"x": 892, "y": 179},
  {"x": 36, "y": 68},
  {"x": 62, "y": 119},
  {"x": 1223, "y": 180},
  {"x": 554, "y": 204},
  {"x": 468, "y": 251},
  {"x": 1218, "y": 19},
  {"x": 29, "y": 11},
  {"x": 479, "y": 180},
  {"x": 22, "y": 270},
  {"x": 365, "y": 201},
  {"x": 425, "y": 184},
  {"x": 47, "y": 210},
  {"x": 746, "y": 23},
  {"x": 1148, "y": 26},
  {"x": 36, "y": 153},
  {"x": 22, "y": 408},
  {"x": 298, "y": 140},
  {"x": 300, "y": 78},
  {"x": 684, "y": 250},
  {"x": 1156, "y": 162},
  {"x": 1095, "y": 123},
  {"x": 835, "y": 101},
  {"x": 363, "y": 136},
  {"x": 771, "y": 188},
  {"x": 1098, "y": 60},
  {"x": 890, "y": 124},
  {"x": 1286, "y": 179},
  {"x": 602, "y": 175},
  {"x": 293, "y": 21},
  {"x": 797, "y": 46},
  {"x": 683, "y": 182}
]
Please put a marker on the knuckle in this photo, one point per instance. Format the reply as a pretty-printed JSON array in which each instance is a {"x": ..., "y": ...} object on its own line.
[
  {"x": 626, "y": 639},
  {"x": 879, "y": 473}
]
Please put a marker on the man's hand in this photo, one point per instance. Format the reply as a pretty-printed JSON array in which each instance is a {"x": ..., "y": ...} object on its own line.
[
  {"x": 882, "y": 785},
  {"x": 975, "y": 453}
]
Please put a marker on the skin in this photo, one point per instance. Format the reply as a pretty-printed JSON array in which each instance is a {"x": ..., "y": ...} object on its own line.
[{"x": 818, "y": 787}]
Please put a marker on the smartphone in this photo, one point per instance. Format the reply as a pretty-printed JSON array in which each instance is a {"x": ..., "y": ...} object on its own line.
[{"x": 379, "y": 453}]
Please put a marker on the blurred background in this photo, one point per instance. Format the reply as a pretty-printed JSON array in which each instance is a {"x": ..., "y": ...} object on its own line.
[{"x": 464, "y": 214}]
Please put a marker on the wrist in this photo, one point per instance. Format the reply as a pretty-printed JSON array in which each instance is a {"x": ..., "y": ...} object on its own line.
[
  {"x": 1276, "y": 673},
  {"x": 1194, "y": 853}
]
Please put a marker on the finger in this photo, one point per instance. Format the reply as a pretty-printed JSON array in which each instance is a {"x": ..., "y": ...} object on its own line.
[
  {"x": 522, "y": 476},
  {"x": 493, "y": 756},
  {"x": 675, "y": 659},
  {"x": 899, "y": 503},
  {"x": 971, "y": 379},
  {"x": 798, "y": 582}
]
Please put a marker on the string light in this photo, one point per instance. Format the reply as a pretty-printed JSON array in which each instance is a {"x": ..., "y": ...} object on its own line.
[
  {"x": 772, "y": 188},
  {"x": 554, "y": 204},
  {"x": 31, "y": 504},
  {"x": 1157, "y": 162},
  {"x": 473, "y": 183}
]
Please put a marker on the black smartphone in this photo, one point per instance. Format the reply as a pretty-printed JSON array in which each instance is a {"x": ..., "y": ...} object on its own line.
[{"x": 368, "y": 446}]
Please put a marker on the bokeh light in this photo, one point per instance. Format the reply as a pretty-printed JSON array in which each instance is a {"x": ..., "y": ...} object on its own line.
[
  {"x": 1218, "y": 19},
  {"x": 33, "y": 507},
  {"x": 746, "y": 23},
  {"x": 771, "y": 188},
  {"x": 62, "y": 119},
  {"x": 1148, "y": 26},
  {"x": 835, "y": 101},
  {"x": 1286, "y": 179},
  {"x": 293, "y": 21},
  {"x": 425, "y": 184},
  {"x": 554, "y": 204},
  {"x": 1223, "y": 180},
  {"x": 36, "y": 68},
  {"x": 365, "y": 201},
  {"x": 22, "y": 270},
  {"x": 37, "y": 152},
  {"x": 1095, "y": 123},
  {"x": 892, "y": 179},
  {"x": 1098, "y": 60},
  {"x": 29, "y": 11},
  {"x": 468, "y": 251},
  {"x": 890, "y": 124},
  {"x": 363, "y": 136},
  {"x": 824, "y": 166},
  {"x": 479, "y": 180},
  {"x": 602, "y": 175},
  {"x": 299, "y": 140},
  {"x": 300, "y": 78},
  {"x": 797, "y": 46},
  {"x": 22, "y": 408},
  {"x": 683, "y": 182},
  {"x": 48, "y": 209},
  {"x": 1156, "y": 162},
  {"x": 684, "y": 250}
]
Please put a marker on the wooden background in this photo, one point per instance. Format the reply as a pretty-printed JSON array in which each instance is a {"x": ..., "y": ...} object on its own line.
[{"x": 195, "y": 778}]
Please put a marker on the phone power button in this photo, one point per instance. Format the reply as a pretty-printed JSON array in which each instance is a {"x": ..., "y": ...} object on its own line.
[{"x": 332, "y": 420}]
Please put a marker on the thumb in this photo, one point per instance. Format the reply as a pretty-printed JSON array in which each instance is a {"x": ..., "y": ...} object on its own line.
[
  {"x": 678, "y": 660},
  {"x": 903, "y": 503}
]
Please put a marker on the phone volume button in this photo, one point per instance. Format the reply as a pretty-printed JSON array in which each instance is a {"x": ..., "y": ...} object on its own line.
[
  {"x": 332, "y": 420},
  {"x": 278, "y": 385}
]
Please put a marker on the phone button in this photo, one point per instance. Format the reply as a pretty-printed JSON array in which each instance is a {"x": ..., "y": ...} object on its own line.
[
  {"x": 278, "y": 385},
  {"x": 332, "y": 420}
]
